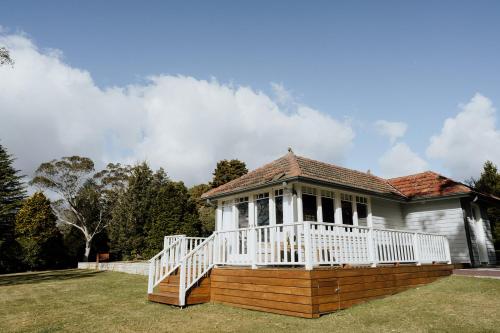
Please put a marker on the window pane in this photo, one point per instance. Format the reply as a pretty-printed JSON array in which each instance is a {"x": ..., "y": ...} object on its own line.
[
  {"x": 346, "y": 212},
  {"x": 279, "y": 210},
  {"x": 242, "y": 215},
  {"x": 309, "y": 207},
  {"x": 362, "y": 210},
  {"x": 328, "y": 209},
  {"x": 263, "y": 212}
]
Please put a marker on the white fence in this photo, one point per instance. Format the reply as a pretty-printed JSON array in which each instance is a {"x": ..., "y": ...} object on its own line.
[{"x": 306, "y": 244}]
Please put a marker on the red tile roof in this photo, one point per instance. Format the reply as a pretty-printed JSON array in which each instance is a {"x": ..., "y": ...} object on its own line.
[
  {"x": 423, "y": 185},
  {"x": 428, "y": 185},
  {"x": 292, "y": 166}
]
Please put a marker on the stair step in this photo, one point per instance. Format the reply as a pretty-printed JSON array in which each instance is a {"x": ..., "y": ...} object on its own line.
[{"x": 164, "y": 298}]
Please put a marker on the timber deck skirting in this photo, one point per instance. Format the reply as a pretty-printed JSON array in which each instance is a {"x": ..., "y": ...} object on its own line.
[{"x": 299, "y": 292}]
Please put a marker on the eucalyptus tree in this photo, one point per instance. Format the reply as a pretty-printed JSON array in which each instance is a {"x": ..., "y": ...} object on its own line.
[{"x": 84, "y": 196}]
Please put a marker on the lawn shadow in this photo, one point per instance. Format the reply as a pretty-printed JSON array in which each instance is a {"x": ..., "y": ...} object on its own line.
[{"x": 45, "y": 276}]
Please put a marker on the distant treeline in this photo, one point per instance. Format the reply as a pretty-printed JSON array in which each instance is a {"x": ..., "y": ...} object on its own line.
[{"x": 124, "y": 210}]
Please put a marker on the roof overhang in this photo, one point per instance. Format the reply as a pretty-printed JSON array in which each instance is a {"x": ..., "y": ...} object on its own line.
[{"x": 307, "y": 180}]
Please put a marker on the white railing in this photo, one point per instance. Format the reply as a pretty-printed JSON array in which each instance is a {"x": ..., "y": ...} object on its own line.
[
  {"x": 194, "y": 265},
  {"x": 306, "y": 244},
  {"x": 168, "y": 260}
]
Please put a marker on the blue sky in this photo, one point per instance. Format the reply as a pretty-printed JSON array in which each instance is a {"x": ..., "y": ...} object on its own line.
[{"x": 362, "y": 61}]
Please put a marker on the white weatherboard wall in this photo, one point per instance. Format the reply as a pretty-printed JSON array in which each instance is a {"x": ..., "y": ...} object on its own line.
[
  {"x": 387, "y": 214},
  {"x": 442, "y": 217}
]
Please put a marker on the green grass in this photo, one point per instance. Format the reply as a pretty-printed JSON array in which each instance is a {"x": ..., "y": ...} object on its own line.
[{"x": 90, "y": 301}]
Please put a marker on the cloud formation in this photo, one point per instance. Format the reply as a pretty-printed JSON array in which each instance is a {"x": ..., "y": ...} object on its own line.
[
  {"x": 391, "y": 129},
  {"x": 467, "y": 140},
  {"x": 400, "y": 160},
  {"x": 49, "y": 109}
]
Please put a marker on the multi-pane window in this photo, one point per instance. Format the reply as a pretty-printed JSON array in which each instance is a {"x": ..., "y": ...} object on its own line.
[
  {"x": 362, "y": 209},
  {"x": 242, "y": 207},
  {"x": 262, "y": 206},
  {"x": 309, "y": 208},
  {"x": 328, "y": 206},
  {"x": 278, "y": 204},
  {"x": 346, "y": 204}
]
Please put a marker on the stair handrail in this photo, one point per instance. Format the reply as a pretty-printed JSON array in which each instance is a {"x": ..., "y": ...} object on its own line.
[
  {"x": 154, "y": 278},
  {"x": 187, "y": 278}
]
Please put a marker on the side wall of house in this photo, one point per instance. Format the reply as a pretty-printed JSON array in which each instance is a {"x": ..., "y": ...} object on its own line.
[
  {"x": 443, "y": 217},
  {"x": 387, "y": 214}
]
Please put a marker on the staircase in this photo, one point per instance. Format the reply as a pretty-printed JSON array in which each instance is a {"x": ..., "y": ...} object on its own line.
[
  {"x": 168, "y": 291},
  {"x": 180, "y": 272}
]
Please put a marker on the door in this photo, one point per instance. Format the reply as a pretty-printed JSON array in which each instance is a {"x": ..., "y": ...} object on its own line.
[{"x": 480, "y": 234}]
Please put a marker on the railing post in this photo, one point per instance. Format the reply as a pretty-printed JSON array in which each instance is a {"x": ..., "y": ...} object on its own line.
[
  {"x": 182, "y": 283},
  {"x": 416, "y": 249},
  {"x": 447, "y": 250},
  {"x": 253, "y": 246},
  {"x": 372, "y": 248},
  {"x": 151, "y": 276},
  {"x": 308, "y": 245}
]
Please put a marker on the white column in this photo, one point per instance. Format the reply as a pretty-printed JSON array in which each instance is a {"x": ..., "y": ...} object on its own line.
[
  {"x": 300, "y": 211},
  {"x": 251, "y": 211},
  {"x": 338, "y": 209},
  {"x": 235, "y": 216},
  {"x": 287, "y": 207},
  {"x": 369, "y": 216},
  {"x": 252, "y": 246},
  {"x": 218, "y": 216},
  {"x": 354, "y": 211},
  {"x": 319, "y": 209},
  {"x": 272, "y": 208}
]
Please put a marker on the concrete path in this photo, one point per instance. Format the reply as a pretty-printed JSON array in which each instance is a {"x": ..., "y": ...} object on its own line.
[{"x": 493, "y": 272}]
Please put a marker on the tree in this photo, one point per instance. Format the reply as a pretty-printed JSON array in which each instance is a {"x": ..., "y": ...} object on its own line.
[
  {"x": 489, "y": 182},
  {"x": 225, "y": 171},
  {"x": 37, "y": 233},
  {"x": 172, "y": 212},
  {"x": 5, "y": 58},
  {"x": 70, "y": 179},
  {"x": 131, "y": 213},
  {"x": 12, "y": 193},
  {"x": 206, "y": 212}
]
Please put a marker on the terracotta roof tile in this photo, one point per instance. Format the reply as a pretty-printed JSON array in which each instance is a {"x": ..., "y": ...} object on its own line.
[
  {"x": 427, "y": 185},
  {"x": 291, "y": 166}
]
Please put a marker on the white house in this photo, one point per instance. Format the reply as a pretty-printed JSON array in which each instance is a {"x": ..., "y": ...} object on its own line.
[
  {"x": 291, "y": 232},
  {"x": 294, "y": 189}
]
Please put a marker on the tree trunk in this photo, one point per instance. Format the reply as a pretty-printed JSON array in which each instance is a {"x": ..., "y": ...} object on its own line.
[{"x": 87, "y": 250}]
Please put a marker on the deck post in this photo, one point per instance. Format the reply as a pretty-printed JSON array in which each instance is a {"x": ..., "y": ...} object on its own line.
[
  {"x": 151, "y": 277},
  {"x": 372, "y": 248},
  {"x": 182, "y": 268},
  {"x": 416, "y": 249},
  {"x": 307, "y": 245},
  {"x": 253, "y": 246},
  {"x": 447, "y": 250}
]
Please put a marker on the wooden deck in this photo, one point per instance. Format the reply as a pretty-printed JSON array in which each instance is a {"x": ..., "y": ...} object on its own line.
[{"x": 299, "y": 292}]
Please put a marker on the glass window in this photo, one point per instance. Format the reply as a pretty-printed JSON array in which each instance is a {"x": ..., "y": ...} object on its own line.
[
  {"x": 328, "y": 209},
  {"x": 242, "y": 207},
  {"x": 309, "y": 207},
  {"x": 278, "y": 202},
  {"x": 262, "y": 204},
  {"x": 242, "y": 214},
  {"x": 346, "y": 212}
]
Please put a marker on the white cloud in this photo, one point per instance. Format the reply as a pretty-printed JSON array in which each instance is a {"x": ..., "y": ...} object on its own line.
[
  {"x": 391, "y": 129},
  {"x": 400, "y": 160},
  {"x": 468, "y": 140},
  {"x": 49, "y": 109}
]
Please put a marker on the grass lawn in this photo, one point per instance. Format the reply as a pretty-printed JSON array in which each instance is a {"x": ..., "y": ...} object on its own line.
[{"x": 90, "y": 301}]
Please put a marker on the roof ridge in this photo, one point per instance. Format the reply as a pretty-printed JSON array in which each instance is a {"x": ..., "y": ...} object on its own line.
[{"x": 295, "y": 166}]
